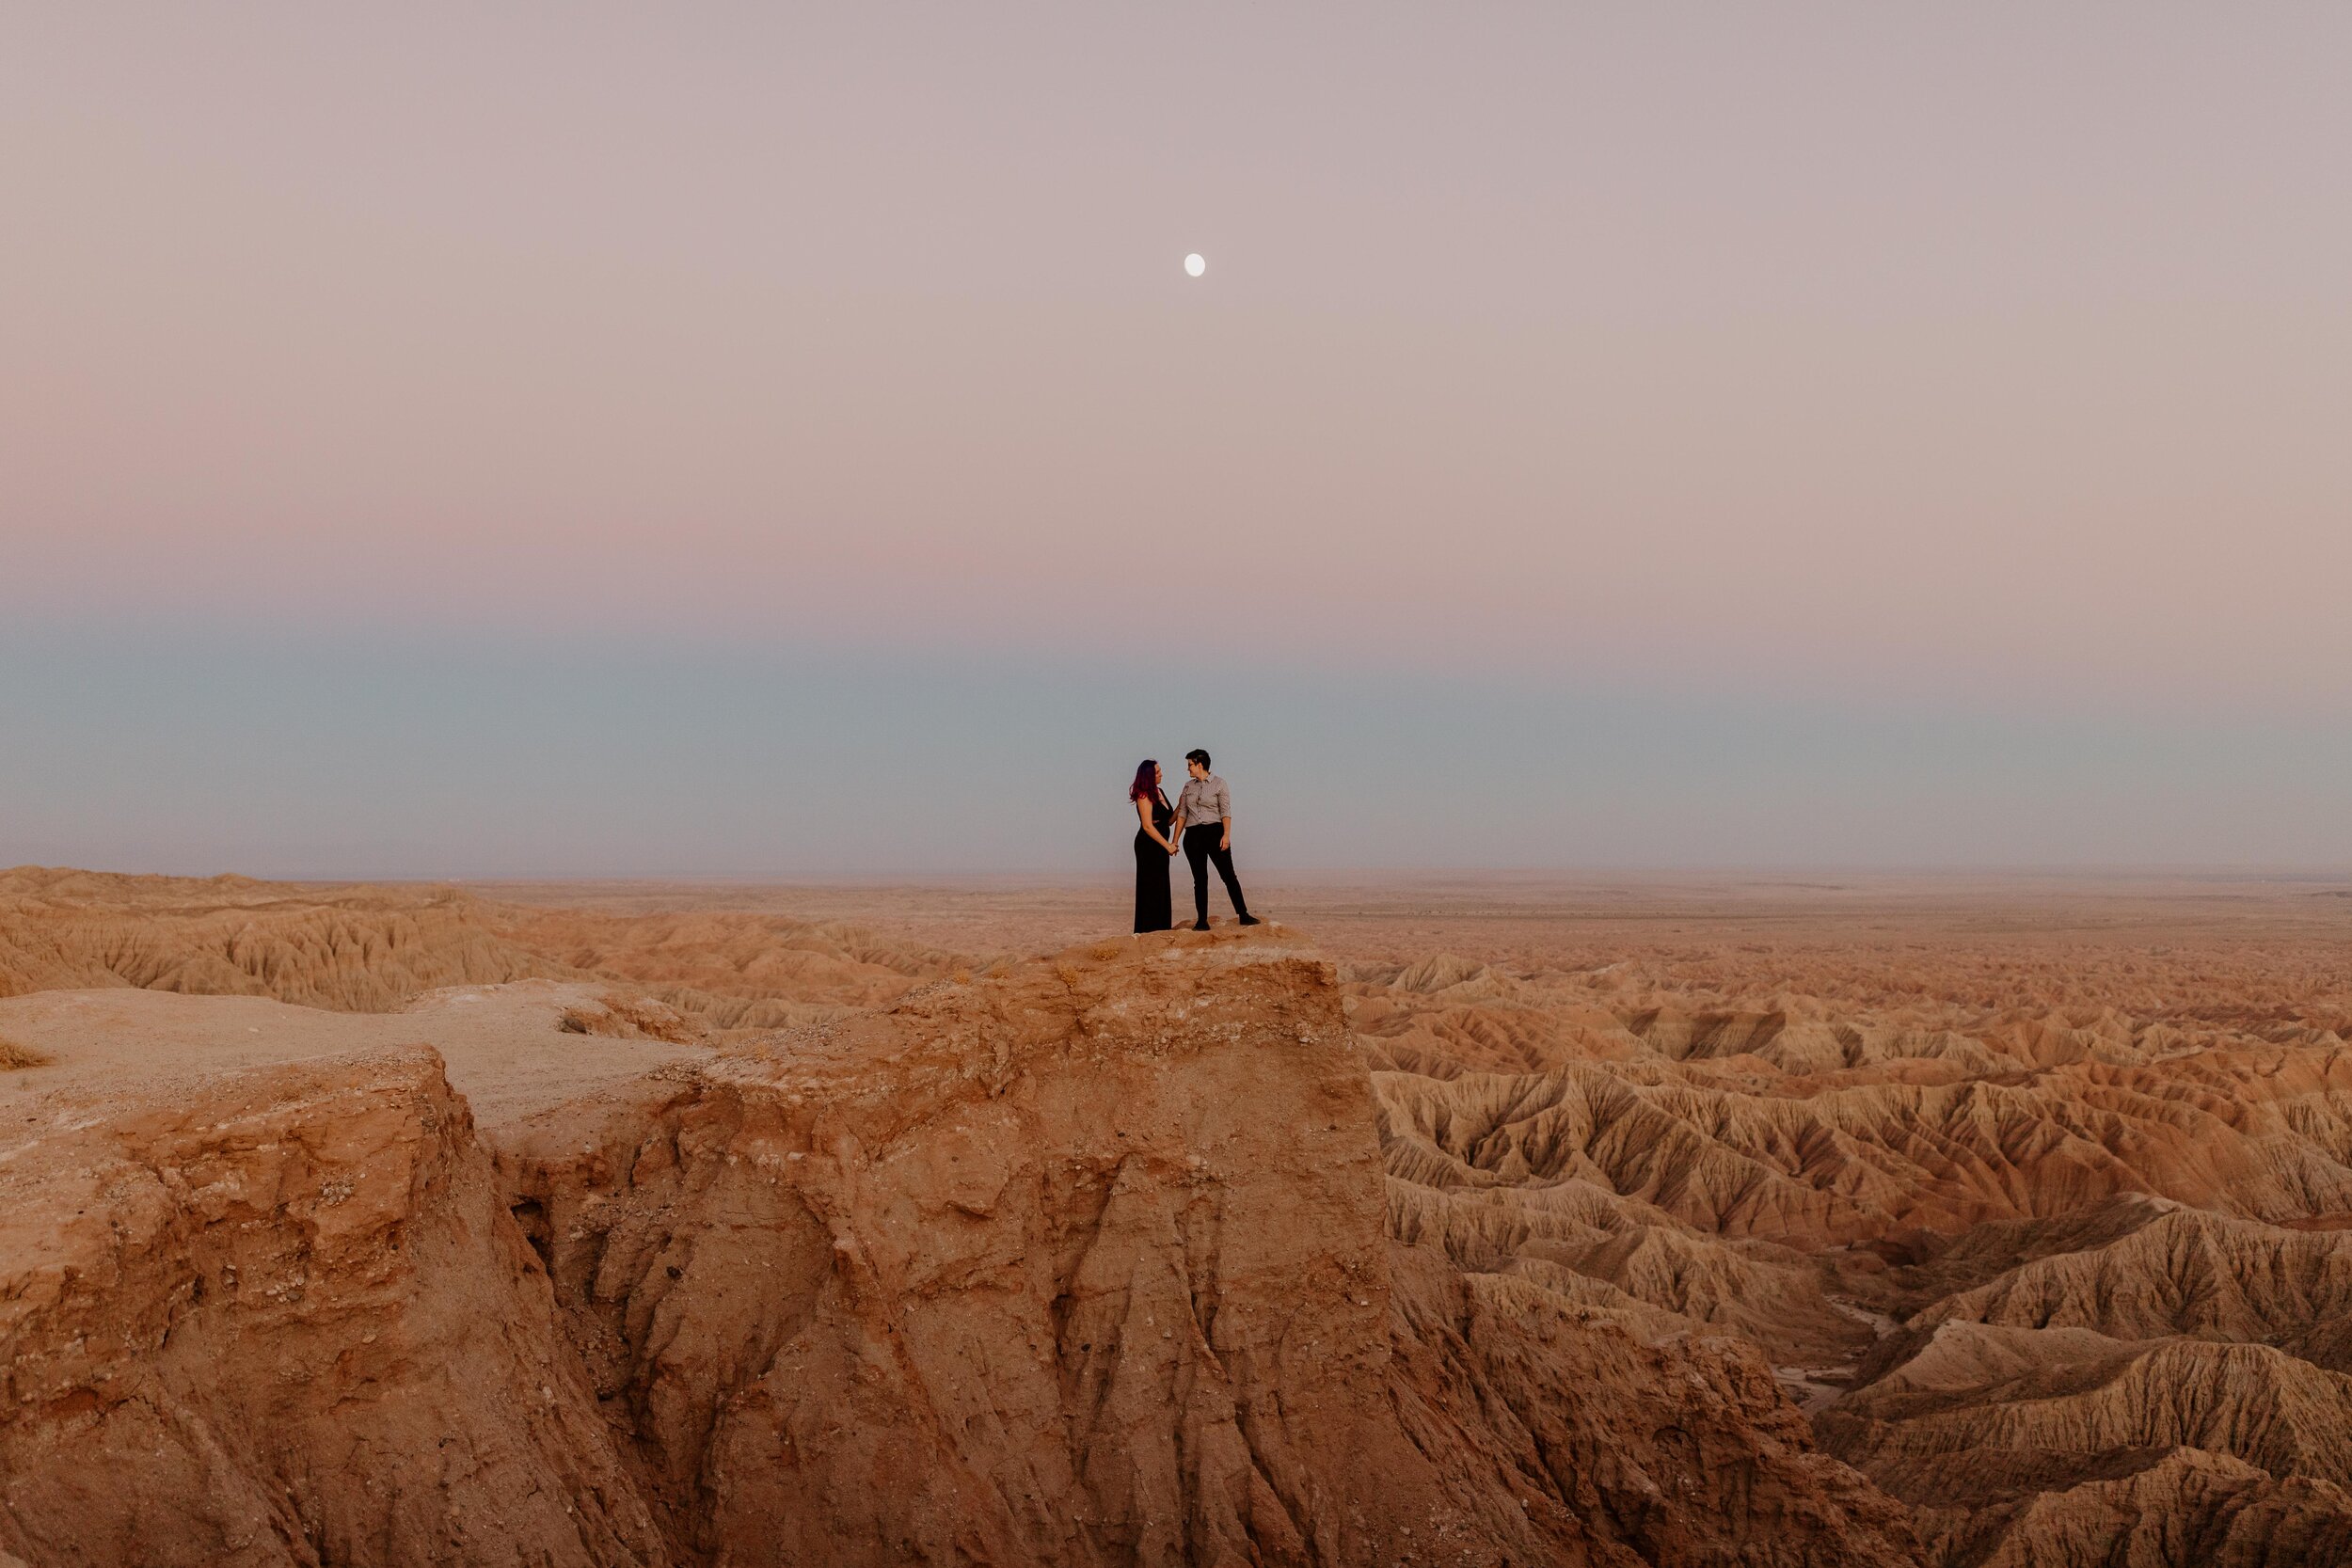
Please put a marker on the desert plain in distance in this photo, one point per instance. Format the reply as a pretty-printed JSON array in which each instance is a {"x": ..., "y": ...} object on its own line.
[{"x": 1495, "y": 1219}]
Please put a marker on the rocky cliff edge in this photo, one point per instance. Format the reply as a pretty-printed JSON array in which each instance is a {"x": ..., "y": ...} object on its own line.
[{"x": 1086, "y": 1262}]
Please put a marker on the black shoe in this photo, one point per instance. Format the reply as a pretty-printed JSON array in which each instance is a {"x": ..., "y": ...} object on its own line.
[
  {"x": 1251, "y": 919},
  {"x": 1199, "y": 925}
]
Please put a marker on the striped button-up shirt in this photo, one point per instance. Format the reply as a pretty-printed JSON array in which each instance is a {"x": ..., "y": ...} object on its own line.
[{"x": 1204, "y": 801}]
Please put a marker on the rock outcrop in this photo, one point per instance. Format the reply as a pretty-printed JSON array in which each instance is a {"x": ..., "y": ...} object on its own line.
[
  {"x": 1084, "y": 1263},
  {"x": 735, "y": 1237},
  {"x": 1093, "y": 1260},
  {"x": 288, "y": 1321}
]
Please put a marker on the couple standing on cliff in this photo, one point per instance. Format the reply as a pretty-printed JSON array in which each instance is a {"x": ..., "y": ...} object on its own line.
[{"x": 1206, "y": 809}]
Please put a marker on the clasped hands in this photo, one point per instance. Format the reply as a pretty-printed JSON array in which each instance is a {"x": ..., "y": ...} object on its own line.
[{"x": 1221, "y": 844}]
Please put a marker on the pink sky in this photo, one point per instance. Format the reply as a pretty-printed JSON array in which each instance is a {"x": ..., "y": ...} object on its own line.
[{"x": 2002, "y": 353}]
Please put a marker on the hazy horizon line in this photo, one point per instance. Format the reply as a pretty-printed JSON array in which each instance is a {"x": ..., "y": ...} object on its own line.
[{"x": 1764, "y": 874}]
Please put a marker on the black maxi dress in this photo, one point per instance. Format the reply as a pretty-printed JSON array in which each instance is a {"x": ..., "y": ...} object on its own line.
[{"x": 1153, "y": 912}]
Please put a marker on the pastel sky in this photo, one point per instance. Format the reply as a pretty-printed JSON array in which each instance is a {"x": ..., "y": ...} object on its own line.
[{"x": 448, "y": 439}]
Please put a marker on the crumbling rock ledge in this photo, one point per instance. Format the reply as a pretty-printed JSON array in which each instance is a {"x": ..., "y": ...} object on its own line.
[
  {"x": 1086, "y": 1264},
  {"x": 288, "y": 1321}
]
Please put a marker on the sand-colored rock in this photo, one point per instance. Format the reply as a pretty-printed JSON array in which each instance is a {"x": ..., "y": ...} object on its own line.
[
  {"x": 359, "y": 949},
  {"x": 1989, "y": 1393},
  {"x": 1680, "y": 1451},
  {"x": 2026, "y": 1446},
  {"x": 1033, "y": 1247},
  {"x": 288, "y": 1321},
  {"x": 372, "y": 949},
  {"x": 2187, "y": 1507},
  {"x": 1511, "y": 1237},
  {"x": 2179, "y": 1271},
  {"x": 2250, "y": 1132},
  {"x": 1097, "y": 1255},
  {"x": 1086, "y": 1264}
]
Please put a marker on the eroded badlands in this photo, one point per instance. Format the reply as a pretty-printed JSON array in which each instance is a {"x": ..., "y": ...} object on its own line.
[{"x": 1485, "y": 1225}]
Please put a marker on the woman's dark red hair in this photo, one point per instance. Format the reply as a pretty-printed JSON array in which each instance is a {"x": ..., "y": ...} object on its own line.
[{"x": 1146, "y": 786}]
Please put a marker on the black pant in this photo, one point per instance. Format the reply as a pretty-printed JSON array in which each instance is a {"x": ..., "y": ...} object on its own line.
[{"x": 1200, "y": 848}]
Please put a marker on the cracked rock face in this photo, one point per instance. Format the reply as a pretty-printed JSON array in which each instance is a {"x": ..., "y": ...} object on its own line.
[
  {"x": 287, "y": 1320},
  {"x": 1084, "y": 1269},
  {"x": 1086, "y": 1262},
  {"x": 561, "y": 1234}
]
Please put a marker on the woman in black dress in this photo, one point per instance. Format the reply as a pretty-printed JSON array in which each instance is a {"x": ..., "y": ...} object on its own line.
[{"x": 1154, "y": 843}]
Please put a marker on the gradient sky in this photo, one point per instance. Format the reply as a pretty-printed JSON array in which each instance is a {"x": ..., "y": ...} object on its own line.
[{"x": 457, "y": 440}]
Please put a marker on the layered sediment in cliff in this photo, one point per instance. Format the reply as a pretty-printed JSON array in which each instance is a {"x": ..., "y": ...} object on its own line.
[
  {"x": 738, "y": 1237},
  {"x": 1084, "y": 1263},
  {"x": 1082, "y": 1267},
  {"x": 286, "y": 1318}
]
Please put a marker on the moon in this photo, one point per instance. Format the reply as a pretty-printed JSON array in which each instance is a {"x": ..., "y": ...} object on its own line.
[{"x": 1196, "y": 264}]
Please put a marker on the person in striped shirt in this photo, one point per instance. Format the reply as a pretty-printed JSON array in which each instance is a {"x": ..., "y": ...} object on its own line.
[{"x": 1206, "y": 810}]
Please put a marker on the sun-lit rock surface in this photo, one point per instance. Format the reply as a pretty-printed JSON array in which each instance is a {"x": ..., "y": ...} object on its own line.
[{"x": 819, "y": 1240}]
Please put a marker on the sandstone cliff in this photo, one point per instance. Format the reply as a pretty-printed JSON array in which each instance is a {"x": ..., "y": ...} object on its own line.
[
  {"x": 287, "y": 1320},
  {"x": 737, "y": 1235},
  {"x": 1086, "y": 1262}
]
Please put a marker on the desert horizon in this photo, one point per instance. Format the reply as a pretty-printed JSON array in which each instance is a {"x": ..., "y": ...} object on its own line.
[{"x": 1102, "y": 786}]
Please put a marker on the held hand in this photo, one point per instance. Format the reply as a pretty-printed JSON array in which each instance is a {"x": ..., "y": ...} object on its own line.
[{"x": 1171, "y": 849}]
